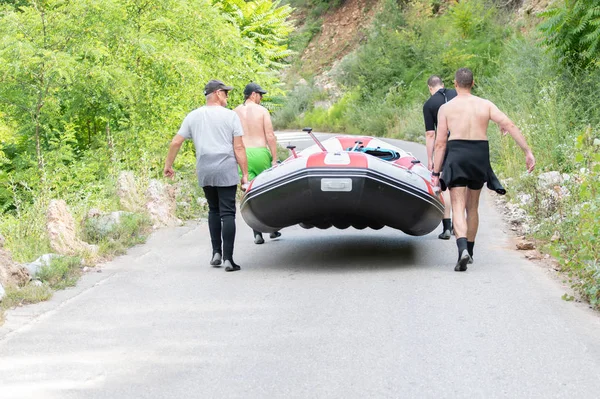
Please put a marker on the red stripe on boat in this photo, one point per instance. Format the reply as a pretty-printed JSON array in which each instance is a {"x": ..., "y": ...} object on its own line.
[
  {"x": 350, "y": 142},
  {"x": 406, "y": 162},
  {"x": 357, "y": 160}
]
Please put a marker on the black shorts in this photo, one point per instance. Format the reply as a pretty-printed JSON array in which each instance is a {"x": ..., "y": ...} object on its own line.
[
  {"x": 462, "y": 182},
  {"x": 467, "y": 164}
]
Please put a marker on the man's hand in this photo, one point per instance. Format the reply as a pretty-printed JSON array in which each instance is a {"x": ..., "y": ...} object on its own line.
[
  {"x": 274, "y": 163},
  {"x": 244, "y": 182},
  {"x": 169, "y": 172},
  {"x": 435, "y": 183},
  {"x": 530, "y": 161},
  {"x": 430, "y": 164}
]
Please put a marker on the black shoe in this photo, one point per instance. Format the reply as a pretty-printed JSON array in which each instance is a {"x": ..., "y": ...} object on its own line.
[
  {"x": 464, "y": 259},
  {"x": 275, "y": 235},
  {"x": 258, "y": 239},
  {"x": 230, "y": 266},
  {"x": 471, "y": 261},
  {"x": 216, "y": 260},
  {"x": 445, "y": 235}
]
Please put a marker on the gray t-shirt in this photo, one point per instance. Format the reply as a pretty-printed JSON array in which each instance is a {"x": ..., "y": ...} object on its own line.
[{"x": 212, "y": 128}]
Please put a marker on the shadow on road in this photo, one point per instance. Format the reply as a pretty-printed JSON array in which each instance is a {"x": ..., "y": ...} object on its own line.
[{"x": 339, "y": 253}]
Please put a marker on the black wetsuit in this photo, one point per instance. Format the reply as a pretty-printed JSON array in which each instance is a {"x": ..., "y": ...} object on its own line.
[
  {"x": 467, "y": 164},
  {"x": 432, "y": 106}
]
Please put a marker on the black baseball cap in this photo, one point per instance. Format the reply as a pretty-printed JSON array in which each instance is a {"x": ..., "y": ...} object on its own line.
[
  {"x": 215, "y": 85},
  {"x": 253, "y": 88}
]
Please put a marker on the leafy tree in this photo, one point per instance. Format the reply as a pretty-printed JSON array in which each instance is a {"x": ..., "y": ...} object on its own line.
[
  {"x": 89, "y": 88},
  {"x": 572, "y": 31},
  {"x": 265, "y": 23}
]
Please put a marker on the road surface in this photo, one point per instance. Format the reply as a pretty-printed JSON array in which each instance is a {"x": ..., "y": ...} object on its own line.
[{"x": 314, "y": 314}]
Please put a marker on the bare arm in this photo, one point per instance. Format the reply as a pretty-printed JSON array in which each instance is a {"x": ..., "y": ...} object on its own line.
[
  {"x": 429, "y": 143},
  {"x": 240, "y": 156},
  {"x": 506, "y": 125},
  {"x": 270, "y": 136},
  {"x": 440, "y": 141},
  {"x": 173, "y": 151}
]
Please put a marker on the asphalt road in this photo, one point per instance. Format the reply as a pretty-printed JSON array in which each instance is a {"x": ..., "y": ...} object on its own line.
[{"x": 314, "y": 314}]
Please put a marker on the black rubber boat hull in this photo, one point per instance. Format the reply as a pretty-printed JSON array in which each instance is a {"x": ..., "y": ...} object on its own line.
[{"x": 371, "y": 200}]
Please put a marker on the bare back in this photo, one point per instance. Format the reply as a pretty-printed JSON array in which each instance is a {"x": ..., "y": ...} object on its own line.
[
  {"x": 467, "y": 117},
  {"x": 256, "y": 124}
]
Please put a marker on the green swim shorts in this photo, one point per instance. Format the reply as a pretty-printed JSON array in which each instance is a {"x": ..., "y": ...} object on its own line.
[{"x": 259, "y": 160}]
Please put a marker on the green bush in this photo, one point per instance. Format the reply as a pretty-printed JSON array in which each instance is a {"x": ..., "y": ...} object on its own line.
[
  {"x": 62, "y": 272},
  {"x": 572, "y": 32},
  {"x": 114, "y": 239}
]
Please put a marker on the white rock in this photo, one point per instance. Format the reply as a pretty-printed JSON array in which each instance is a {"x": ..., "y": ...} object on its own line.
[
  {"x": 525, "y": 199},
  {"x": 40, "y": 262},
  {"x": 597, "y": 142},
  {"x": 37, "y": 283},
  {"x": 2, "y": 292},
  {"x": 566, "y": 177},
  {"x": 549, "y": 179},
  {"x": 161, "y": 204}
]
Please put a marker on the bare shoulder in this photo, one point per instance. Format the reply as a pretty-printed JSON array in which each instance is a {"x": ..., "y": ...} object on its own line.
[
  {"x": 483, "y": 101},
  {"x": 263, "y": 109}
]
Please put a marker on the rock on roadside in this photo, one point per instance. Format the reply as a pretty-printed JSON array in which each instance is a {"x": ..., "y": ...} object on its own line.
[
  {"x": 44, "y": 260},
  {"x": 61, "y": 231},
  {"x": 525, "y": 245},
  {"x": 11, "y": 273},
  {"x": 161, "y": 204}
]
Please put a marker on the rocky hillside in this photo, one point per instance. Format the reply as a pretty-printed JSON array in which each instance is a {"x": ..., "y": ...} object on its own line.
[{"x": 342, "y": 30}]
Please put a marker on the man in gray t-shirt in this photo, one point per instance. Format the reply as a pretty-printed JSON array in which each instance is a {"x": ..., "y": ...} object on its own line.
[{"x": 217, "y": 135}]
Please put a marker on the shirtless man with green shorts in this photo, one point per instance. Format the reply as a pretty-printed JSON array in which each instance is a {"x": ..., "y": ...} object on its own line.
[{"x": 259, "y": 138}]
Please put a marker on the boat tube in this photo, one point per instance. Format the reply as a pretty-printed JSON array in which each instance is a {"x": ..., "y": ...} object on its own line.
[{"x": 342, "y": 182}]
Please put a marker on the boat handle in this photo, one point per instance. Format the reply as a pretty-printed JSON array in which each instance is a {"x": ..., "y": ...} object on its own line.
[
  {"x": 292, "y": 148},
  {"x": 316, "y": 140}
]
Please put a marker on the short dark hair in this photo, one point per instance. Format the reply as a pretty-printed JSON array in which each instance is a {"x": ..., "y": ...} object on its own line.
[
  {"x": 464, "y": 78},
  {"x": 434, "y": 80}
]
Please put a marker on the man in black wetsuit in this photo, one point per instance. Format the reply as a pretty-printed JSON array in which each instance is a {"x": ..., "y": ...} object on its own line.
[
  {"x": 439, "y": 96},
  {"x": 464, "y": 158}
]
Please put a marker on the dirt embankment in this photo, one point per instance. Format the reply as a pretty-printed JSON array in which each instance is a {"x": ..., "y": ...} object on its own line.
[{"x": 343, "y": 29}]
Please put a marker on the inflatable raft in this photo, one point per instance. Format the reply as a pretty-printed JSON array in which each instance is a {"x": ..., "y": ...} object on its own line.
[{"x": 345, "y": 181}]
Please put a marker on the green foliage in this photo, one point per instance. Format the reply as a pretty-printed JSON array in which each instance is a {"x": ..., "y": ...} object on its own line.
[
  {"x": 263, "y": 22},
  {"x": 115, "y": 238},
  {"x": 298, "y": 101},
  {"x": 25, "y": 230},
  {"x": 554, "y": 109},
  {"x": 578, "y": 250},
  {"x": 572, "y": 32},
  {"x": 62, "y": 272},
  {"x": 30, "y": 293},
  {"x": 90, "y": 88},
  {"x": 409, "y": 41}
]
